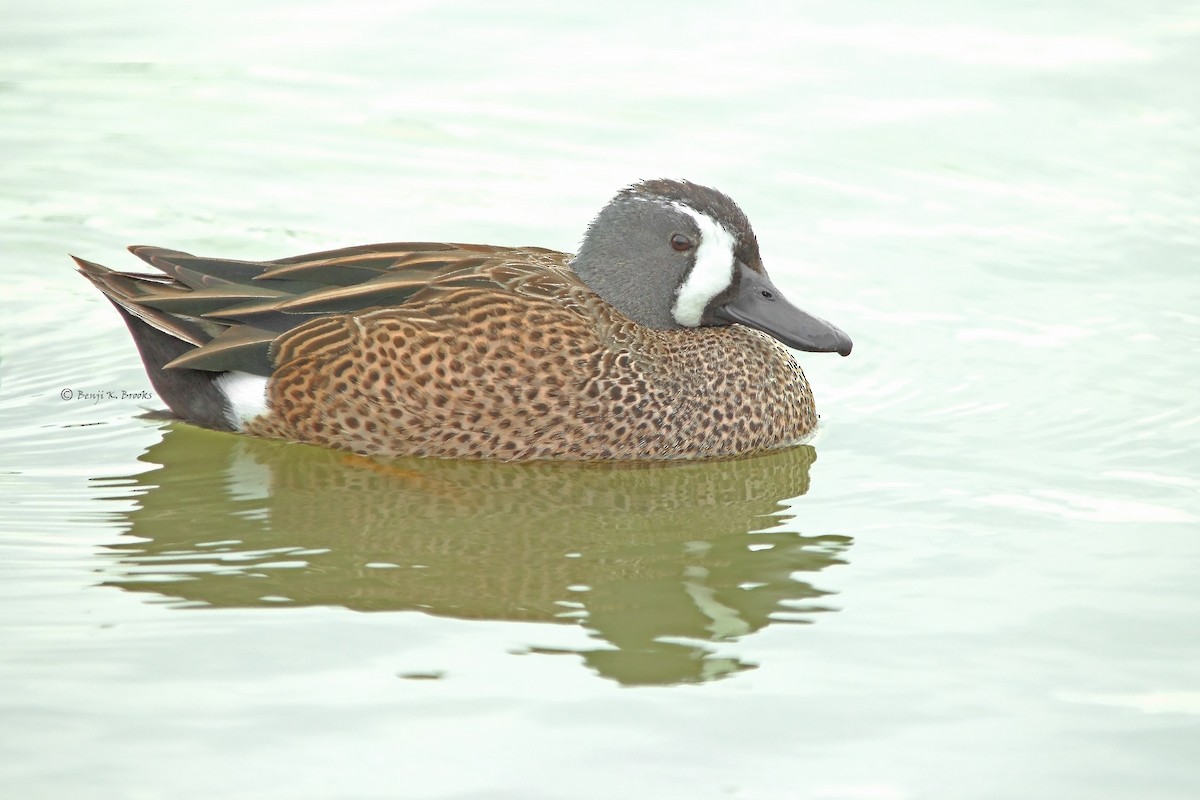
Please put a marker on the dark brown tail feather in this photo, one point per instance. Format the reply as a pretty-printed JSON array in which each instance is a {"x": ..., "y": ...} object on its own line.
[{"x": 191, "y": 394}]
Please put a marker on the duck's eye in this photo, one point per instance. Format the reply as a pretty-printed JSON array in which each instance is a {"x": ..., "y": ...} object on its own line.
[{"x": 680, "y": 243}]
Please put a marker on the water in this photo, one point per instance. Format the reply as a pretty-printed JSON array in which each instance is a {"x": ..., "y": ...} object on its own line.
[{"x": 978, "y": 582}]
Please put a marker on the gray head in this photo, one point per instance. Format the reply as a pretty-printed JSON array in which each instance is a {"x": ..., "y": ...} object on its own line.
[{"x": 674, "y": 255}]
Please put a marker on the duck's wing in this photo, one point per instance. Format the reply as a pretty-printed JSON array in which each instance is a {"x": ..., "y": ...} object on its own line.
[{"x": 226, "y": 314}]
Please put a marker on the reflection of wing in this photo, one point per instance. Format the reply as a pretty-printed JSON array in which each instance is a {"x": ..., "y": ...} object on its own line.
[{"x": 636, "y": 553}]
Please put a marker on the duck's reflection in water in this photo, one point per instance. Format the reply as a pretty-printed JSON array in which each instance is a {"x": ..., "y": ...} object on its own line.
[{"x": 660, "y": 563}]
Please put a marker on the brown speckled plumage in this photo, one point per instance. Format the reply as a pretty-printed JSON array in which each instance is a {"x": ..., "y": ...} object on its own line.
[
  {"x": 530, "y": 364},
  {"x": 455, "y": 351}
]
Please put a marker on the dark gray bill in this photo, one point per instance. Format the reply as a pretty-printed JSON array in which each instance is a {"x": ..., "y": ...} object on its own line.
[{"x": 760, "y": 305}]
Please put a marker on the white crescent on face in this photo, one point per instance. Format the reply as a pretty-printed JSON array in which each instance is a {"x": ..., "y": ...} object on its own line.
[{"x": 712, "y": 272}]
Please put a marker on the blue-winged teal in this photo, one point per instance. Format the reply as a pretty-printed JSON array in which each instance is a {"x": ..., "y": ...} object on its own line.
[{"x": 656, "y": 341}]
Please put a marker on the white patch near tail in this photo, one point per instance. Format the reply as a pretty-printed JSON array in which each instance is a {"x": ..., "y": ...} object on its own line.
[
  {"x": 246, "y": 395},
  {"x": 712, "y": 272}
]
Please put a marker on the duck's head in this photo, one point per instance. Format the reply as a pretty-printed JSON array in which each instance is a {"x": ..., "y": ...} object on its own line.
[{"x": 673, "y": 255}]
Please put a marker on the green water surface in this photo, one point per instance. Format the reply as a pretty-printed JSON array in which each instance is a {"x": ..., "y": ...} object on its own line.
[{"x": 978, "y": 581}]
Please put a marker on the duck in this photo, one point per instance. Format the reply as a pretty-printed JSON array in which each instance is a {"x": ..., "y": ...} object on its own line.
[{"x": 663, "y": 338}]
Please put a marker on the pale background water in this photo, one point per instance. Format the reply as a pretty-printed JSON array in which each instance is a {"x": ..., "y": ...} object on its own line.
[{"x": 985, "y": 585}]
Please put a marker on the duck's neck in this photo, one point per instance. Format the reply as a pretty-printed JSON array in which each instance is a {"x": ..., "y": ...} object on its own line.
[{"x": 613, "y": 284}]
